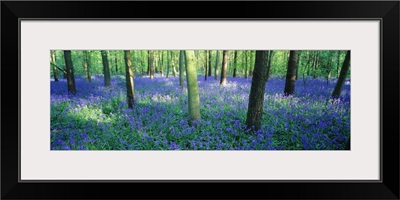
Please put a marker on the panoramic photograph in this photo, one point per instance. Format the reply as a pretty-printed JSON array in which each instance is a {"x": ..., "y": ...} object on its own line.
[{"x": 196, "y": 100}]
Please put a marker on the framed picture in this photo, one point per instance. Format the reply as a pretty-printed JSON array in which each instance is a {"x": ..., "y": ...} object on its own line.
[{"x": 300, "y": 98}]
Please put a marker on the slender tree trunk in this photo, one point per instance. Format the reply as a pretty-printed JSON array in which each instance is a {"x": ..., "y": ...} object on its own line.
[
  {"x": 205, "y": 64},
  {"x": 291, "y": 73},
  {"x": 86, "y": 64},
  {"x": 193, "y": 87},
  {"x": 256, "y": 98},
  {"x": 70, "y": 72},
  {"x": 168, "y": 62},
  {"x": 162, "y": 63},
  {"x": 269, "y": 64},
  {"x": 234, "y": 64},
  {"x": 106, "y": 69},
  {"x": 151, "y": 63},
  {"x": 54, "y": 63},
  {"x": 342, "y": 77},
  {"x": 315, "y": 65},
  {"x": 173, "y": 64},
  {"x": 129, "y": 77},
  {"x": 209, "y": 63},
  {"x": 116, "y": 62},
  {"x": 247, "y": 64},
  {"x": 298, "y": 64},
  {"x": 224, "y": 67},
  {"x": 148, "y": 62},
  {"x": 338, "y": 64},
  {"x": 181, "y": 67},
  {"x": 216, "y": 65},
  {"x": 65, "y": 68}
]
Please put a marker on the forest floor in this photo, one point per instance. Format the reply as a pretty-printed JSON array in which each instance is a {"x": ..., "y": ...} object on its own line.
[{"x": 97, "y": 117}]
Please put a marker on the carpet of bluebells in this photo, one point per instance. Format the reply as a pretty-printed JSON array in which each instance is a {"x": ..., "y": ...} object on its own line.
[{"x": 97, "y": 117}]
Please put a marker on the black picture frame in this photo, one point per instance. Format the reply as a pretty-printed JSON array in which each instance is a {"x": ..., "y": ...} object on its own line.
[{"x": 386, "y": 11}]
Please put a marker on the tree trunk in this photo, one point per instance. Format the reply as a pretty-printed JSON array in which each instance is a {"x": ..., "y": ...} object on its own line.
[
  {"x": 338, "y": 64},
  {"x": 256, "y": 98},
  {"x": 173, "y": 64},
  {"x": 106, "y": 69},
  {"x": 55, "y": 70},
  {"x": 193, "y": 87},
  {"x": 209, "y": 63},
  {"x": 247, "y": 64},
  {"x": 234, "y": 64},
  {"x": 342, "y": 77},
  {"x": 291, "y": 73},
  {"x": 205, "y": 64},
  {"x": 129, "y": 77},
  {"x": 224, "y": 67},
  {"x": 181, "y": 67},
  {"x": 151, "y": 63},
  {"x": 162, "y": 63},
  {"x": 87, "y": 65},
  {"x": 216, "y": 65},
  {"x": 65, "y": 69},
  {"x": 116, "y": 62},
  {"x": 168, "y": 62},
  {"x": 269, "y": 63},
  {"x": 70, "y": 72},
  {"x": 148, "y": 62}
]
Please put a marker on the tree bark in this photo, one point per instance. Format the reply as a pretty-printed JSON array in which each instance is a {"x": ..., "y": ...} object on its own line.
[
  {"x": 269, "y": 64},
  {"x": 129, "y": 77},
  {"x": 209, "y": 63},
  {"x": 116, "y": 62},
  {"x": 342, "y": 78},
  {"x": 181, "y": 67},
  {"x": 106, "y": 69},
  {"x": 256, "y": 98},
  {"x": 173, "y": 64},
  {"x": 216, "y": 65},
  {"x": 55, "y": 70},
  {"x": 247, "y": 64},
  {"x": 291, "y": 73},
  {"x": 192, "y": 84},
  {"x": 151, "y": 63},
  {"x": 234, "y": 64},
  {"x": 205, "y": 64},
  {"x": 224, "y": 67},
  {"x": 338, "y": 64},
  {"x": 87, "y": 65},
  {"x": 70, "y": 72}
]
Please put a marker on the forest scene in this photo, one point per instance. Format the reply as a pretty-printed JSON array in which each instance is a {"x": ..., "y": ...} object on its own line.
[{"x": 200, "y": 99}]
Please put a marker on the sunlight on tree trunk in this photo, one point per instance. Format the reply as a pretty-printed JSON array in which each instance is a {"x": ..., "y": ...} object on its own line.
[
  {"x": 151, "y": 63},
  {"x": 205, "y": 64},
  {"x": 291, "y": 73},
  {"x": 257, "y": 90},
  {"x": 106, "y": 69},
  {"x": 193, "y": 87},
  {"x": 129, "y": 77},
  {"x": 342, "y": 78},
  {"x": 224, "y": 67}
]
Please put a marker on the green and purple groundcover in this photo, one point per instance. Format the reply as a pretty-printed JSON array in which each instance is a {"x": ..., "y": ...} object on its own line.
[{"x": 97, "y": 117}]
